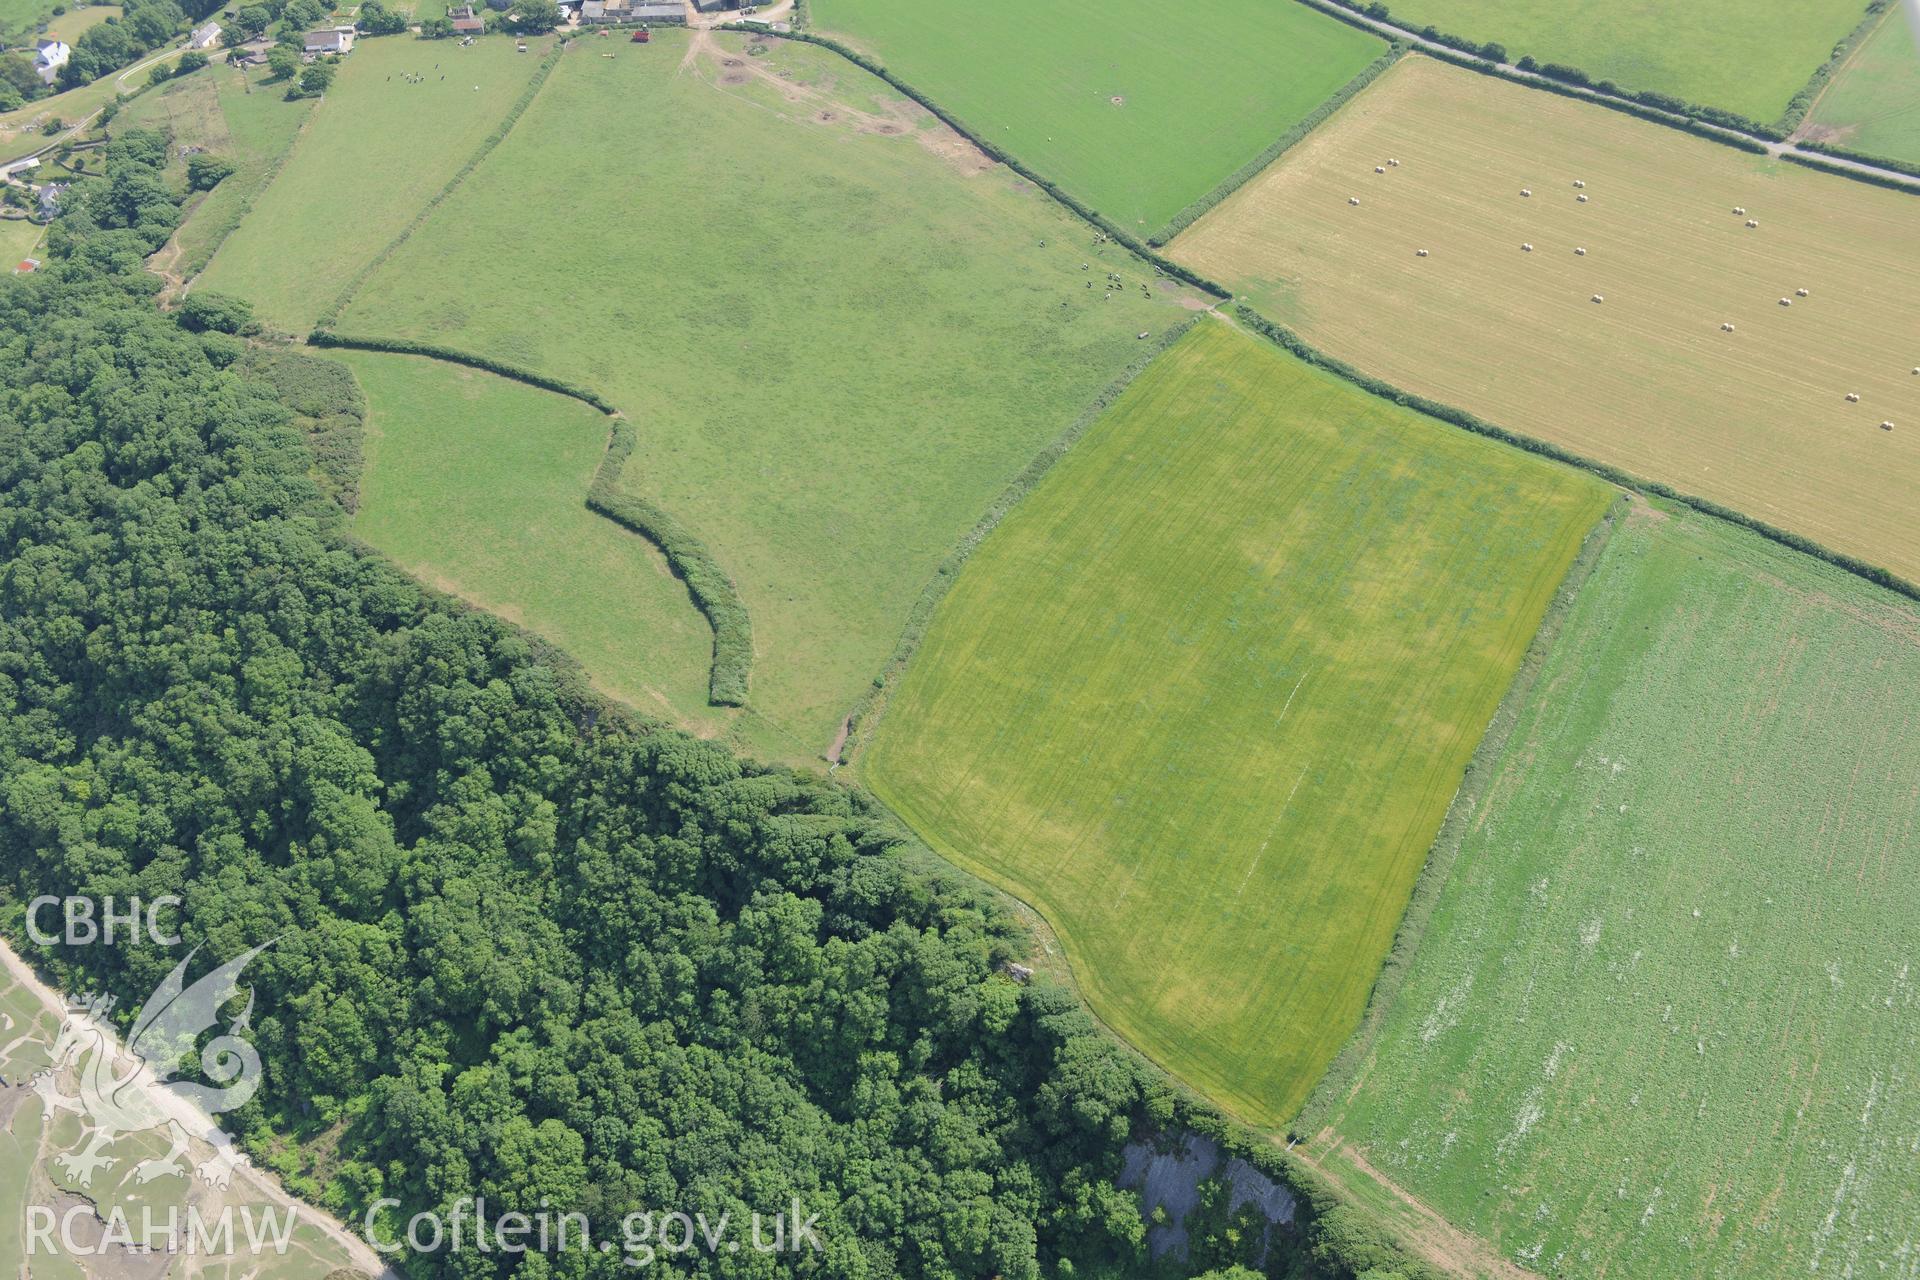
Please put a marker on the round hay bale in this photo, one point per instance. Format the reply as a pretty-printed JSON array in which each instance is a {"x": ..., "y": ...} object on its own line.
[
  {"x": 1525, "y": 192},
  {"x": 1392, "y": 162},
  {"x": 1526, "y": 248},
  {"x": 1738, "y": 212},
  {"x": 1786, "y": 302},
  {"x": 1726, "y": 328},
  {"x": 1581, "y": 199},
  {"x": 1853, "y": 397},
  {"x": 1751, "y": 223},
  {"x": 1579, "y": 253},
  {"x": 1353, "y": 199},
  {"x": 1379, "y": 168},
  {"x": 1578, "y": 184},
  {"x": 1598, "y": 298},
  {"x": 1886, "y": 426},
  {"x": 1799, "y": 293}
]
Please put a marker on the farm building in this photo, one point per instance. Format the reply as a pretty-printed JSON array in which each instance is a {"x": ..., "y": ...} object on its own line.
[
  {"x": 618, "y": 13},
  {"x": 205, "y": 36},
  {"x": 331, "y": 40},
  {"x": 27, "y": 266},
  {"x": 469, "y": 26}
]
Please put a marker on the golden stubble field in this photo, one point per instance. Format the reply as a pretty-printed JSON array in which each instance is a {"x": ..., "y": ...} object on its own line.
[{"x": 1757, "y": 419}]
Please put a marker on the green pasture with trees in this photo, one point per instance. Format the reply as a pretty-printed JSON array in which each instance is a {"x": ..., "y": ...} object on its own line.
[
  {"x": 833, "y": 364},
  {"x": 524, "y": 945}
]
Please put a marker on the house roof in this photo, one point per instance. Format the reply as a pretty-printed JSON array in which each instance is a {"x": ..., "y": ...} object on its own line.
[{"x": 469, "y": 24}]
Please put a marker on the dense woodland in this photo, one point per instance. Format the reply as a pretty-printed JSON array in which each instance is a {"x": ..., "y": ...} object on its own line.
[{"x": 526, "y": 947}]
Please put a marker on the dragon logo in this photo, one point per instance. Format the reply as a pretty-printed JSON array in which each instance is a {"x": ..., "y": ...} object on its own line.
[{"x": 147, "y": 1096}]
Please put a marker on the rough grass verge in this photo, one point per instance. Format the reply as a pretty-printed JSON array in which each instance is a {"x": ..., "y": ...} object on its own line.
[
  {"x": 866, "y": 712},
  {"x": 1286, "y": 338},
  {"x": 712, "y": 590},
  {"x": 1343, "y": 1073},
  {"x": 1286, "y": 142}
]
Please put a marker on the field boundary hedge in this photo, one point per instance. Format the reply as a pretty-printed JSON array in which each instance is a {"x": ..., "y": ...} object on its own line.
[
  {"x": 1725, "y": 135},
  {"x": 1317, "y": 1112},
  {"x": 1907, "y": 167},
  {"x": 712, "y": 590},
  {"x": 1285, "y": 143},
  {"x": 1884, "y": 181},
  {"x": 1802, "y": 101},
  {"x": 487, "y": 364},
  {"x": 920, "y": 617},
  {"x": 332, "y": 314},
  {"x": 272, "y": 174},
  {"x": 1292, "y": 342},
  {"x": 1118, "y": 234},
  {"x": 1485, "y": 51}
]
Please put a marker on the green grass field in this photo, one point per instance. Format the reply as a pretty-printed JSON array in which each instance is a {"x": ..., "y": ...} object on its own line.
[
  {"x": 477, "y": 485},
  {"x": 18, "y": 239},
  {"x": 1665, "y": 1016},
  {"x": 214, "y": 109},
  {"x": 1137, "y": 111},
  {"x": 261, "y": 126},
  {"x": 1204, "y": 697},
  {"x": 1873, "y": 104},
  {"x": 377, "y": 149},
  {"x": 1730, "y": 54},
  {"x": 834, "y": 362}
]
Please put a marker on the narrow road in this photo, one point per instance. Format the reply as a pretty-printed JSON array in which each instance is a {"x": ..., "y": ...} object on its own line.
[
  {"x": 1775, "y": 149},
  {"x": 119, "y": 82}
]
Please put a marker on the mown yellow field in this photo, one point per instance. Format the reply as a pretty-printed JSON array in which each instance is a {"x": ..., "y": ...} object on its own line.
[{"x": 1757, "y": 419}]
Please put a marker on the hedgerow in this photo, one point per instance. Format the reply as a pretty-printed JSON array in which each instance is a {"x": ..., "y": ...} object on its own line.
[
  {"x": 712, "y": 590},
  {"x": 921, "y": 615},
  {"x": 1283, "y": 337},
  {"x": 1639, "y": 110},
  {"x": 1493, "y": 52},
  {"x": 1246, "y": 172},
  {"x": 1338, "y": 1083},
  {"x": 1112, "y": 230},
  {"x": 1810, "y": 92},
  {"x": 409, "y": 347},
  {"x": 332, "y": 314},
  {"x": 1886, "y": 180},
  {"x": 1881, "y": 162}
]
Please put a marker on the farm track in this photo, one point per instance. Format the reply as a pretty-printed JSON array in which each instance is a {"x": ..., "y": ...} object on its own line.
[
  {"x": 1430, "y": 1235},
  {"x": 1535, "y": 80}
]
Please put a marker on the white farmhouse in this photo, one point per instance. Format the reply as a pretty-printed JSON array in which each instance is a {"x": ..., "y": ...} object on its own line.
[{"x": 48, "y": 57}]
